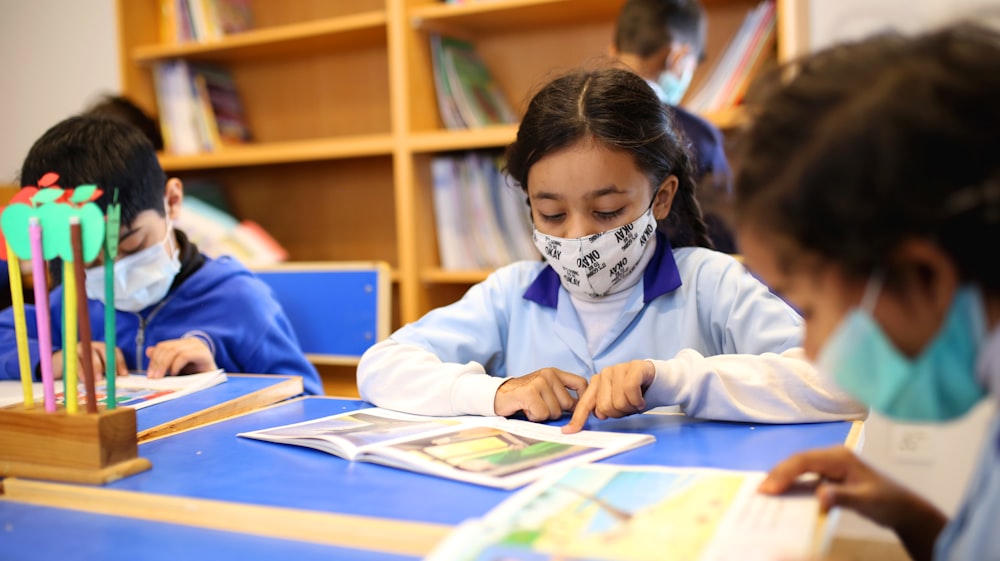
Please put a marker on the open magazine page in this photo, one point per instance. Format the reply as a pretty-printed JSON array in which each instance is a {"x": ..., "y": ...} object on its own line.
[
  {"x": 138, "y": 391},
  {"x": 489, "y": 451},
  {"x": 346, "y": 434},
  {"x": 610, "y": 512}
]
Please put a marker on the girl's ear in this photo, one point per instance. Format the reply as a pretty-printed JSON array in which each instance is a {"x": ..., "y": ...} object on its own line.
[
  {"x": 664, "y": 198},
  {"x": 927, "y": 275},
  {"x": 921, "y": 284}
]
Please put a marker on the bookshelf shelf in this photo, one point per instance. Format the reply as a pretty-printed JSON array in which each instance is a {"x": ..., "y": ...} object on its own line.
[
  {"x": 511, "y": 15},
  {"x": 439, "y": 141},
  {"x": 282, "y": 153},
  {"x": 346, "y": 32},
  {"x": 727, "y": 119},
  {"x": 442, "y": 276}
]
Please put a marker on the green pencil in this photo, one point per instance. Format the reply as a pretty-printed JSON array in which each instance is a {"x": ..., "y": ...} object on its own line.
[{"x": 110, "y": 252}]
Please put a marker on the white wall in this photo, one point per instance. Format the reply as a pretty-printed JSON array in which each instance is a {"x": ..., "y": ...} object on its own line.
[
  {"x": 936, "y": 460},
  {"x": 831, "y": 21},
  {"x": 56, "y": 57}
]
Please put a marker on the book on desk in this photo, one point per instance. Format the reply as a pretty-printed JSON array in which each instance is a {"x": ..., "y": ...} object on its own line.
[
  {"x": 607, "y": 512},
  {"x": 490, "y": 451},
  {"x": 135, "y": 390}
]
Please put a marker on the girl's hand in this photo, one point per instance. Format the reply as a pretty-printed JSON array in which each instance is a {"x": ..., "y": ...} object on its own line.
[
  {"x": 848, "y": 482},
  {"x": 97, "y": 355},
  {"x": 189, "y": 355},
  {"x": 542, "y": 395},
  {"x": 616, "y": 391}
]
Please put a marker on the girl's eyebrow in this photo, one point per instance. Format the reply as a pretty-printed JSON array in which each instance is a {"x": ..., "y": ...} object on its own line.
[{"x": 610, "y": 190}]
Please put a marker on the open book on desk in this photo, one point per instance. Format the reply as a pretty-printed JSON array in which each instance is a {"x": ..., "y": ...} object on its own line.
[
  {"x": 490, "y": 451},
  {"x": 138, "y": 391},
  {"x": 134, "y": 390},
  {"x": 606, "y": 512}
]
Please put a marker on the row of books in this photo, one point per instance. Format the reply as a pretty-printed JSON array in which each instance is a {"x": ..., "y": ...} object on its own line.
[
  {"x": 728, "y": 80},
  {"x": 218, "y": 233},
  {"x": 199, "y": 107},
  {"x": 203, "y": 20},
  {"x": 482, "y": 221},
  {"x": 467, "y": 93}
]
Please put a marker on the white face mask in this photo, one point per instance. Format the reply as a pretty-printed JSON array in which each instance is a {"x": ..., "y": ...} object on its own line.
[
  {"x": 141, "y": 279},
  {"x": 593, "y": 265}
]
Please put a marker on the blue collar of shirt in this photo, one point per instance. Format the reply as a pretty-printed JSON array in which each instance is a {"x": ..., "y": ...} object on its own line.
[{"x": 661, "y": 276}]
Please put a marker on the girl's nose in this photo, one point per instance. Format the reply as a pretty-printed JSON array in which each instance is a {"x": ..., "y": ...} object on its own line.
[{"x": 579, "y": 227}]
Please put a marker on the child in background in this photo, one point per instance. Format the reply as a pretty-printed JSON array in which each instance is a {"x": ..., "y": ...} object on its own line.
[
  {"x": 869, "y": 182},
  {"x": 614, "y": 315},
  {"x": 663, "y": 41},
  {"x": 124, "y": 109},
  {"x": 178, "y": 312}
]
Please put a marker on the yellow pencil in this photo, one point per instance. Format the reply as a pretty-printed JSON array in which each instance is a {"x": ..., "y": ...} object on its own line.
[
  {"x": 70, "y": 356},
  {"x": 20, "y": 326}
]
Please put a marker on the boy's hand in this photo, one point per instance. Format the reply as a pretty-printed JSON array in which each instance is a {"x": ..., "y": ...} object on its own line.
[
  {"x": 189, "y": 355},
  {"x": 616, "y": 391},
  {"x": 542, "y": 395},
  {"x": 96, "y": 360}
]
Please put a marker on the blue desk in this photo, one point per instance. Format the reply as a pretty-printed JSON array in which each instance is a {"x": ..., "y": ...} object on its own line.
[
  {"x": 30, "y": 532},
  {"x": 211, "y": 464}
]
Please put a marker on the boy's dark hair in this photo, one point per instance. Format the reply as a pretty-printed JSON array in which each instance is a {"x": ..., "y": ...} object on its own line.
[
  {"x": 858, "y": 147},
  {"x": 124, "y": 109},
  {"x": 102, "y": 151},
  {"x": 646, "y": 26},
  {"x": 619, "y": 110}
]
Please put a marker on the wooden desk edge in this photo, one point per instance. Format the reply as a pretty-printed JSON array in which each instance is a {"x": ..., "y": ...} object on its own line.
[
  {"x": 289, "y": 387},
  {"x": 342, "y": 530}
]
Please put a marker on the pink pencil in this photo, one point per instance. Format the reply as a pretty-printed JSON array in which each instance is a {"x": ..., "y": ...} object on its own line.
[{"x": 42, "y": 313}]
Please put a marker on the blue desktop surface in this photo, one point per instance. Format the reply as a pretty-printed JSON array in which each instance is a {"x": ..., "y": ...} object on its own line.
[
  {"x": 211, "y": 462},
  {"x": 30, "y": 532}
]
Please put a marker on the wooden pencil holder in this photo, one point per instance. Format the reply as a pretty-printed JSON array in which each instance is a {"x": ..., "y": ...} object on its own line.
[{"x": 76, "y": 448}]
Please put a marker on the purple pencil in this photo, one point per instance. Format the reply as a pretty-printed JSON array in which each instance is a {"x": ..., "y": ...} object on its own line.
[{"x": 42, "y": 313}]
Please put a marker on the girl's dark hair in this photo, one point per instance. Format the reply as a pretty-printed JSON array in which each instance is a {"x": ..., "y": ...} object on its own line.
[
  {"x": 102, "y": 151},
  {"x": 857, "y": 147},
  {"x": 619, "y": 110}
]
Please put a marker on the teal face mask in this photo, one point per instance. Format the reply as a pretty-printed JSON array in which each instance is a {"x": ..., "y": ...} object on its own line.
[
  {"x": 938, "y": 385},
  {"x": 672, "y": 86}
]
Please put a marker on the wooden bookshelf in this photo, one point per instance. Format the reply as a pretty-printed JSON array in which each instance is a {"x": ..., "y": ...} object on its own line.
[{"x": 341, "y": 103}]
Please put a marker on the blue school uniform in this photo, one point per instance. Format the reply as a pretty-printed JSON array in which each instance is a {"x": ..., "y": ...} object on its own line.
[
  {"x": 221, "y": 302},
  {"x": 691, "y": 305},
  {"x": 972, "y": 533}
]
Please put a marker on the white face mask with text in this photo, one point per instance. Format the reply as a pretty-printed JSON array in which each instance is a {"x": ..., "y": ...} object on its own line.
[{"x": 592, "y": 266}]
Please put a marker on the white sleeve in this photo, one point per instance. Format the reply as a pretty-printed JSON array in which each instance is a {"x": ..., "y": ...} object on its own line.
[
  {"x": 766, "y": 388},
  {"x": 415, "y": 380}
]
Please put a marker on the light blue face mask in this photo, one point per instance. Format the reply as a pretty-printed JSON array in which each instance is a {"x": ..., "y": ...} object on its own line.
[
  {"x": 938, "y": 385},
  {"x": 674, "y": 86}
]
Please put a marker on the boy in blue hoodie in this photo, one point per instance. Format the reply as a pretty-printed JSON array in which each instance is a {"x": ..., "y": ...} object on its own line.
[{"x": 178, "y": 311}]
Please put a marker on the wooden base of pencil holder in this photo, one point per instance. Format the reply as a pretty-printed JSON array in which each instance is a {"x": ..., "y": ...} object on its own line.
[{"x": 77, "y": 448}]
